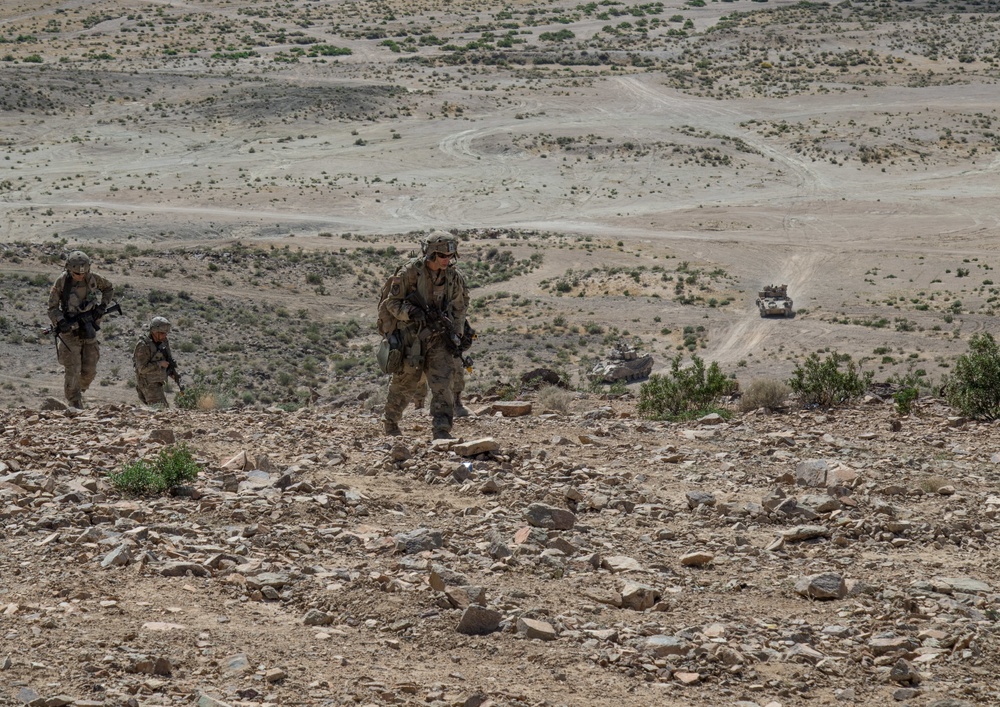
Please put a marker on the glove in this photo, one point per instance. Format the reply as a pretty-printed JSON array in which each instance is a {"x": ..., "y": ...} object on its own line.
[
  {"x": 100, "y": 310},
  {"x": 63, "y": 326},
  {"x": 418, "y": 316}
]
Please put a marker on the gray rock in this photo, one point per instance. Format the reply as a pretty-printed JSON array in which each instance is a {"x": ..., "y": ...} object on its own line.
[
  {"x": 805, "y": 532},
  {"x": 812, "y": 473},
  {"x": 276, "y": 580},
  {"x": 315, "y": 617},
  {"x": 478, "y": 621},
  {"x": 638, "y": 597},
  {"x": 119, "y": 557},
  {"x": 966, "y": 585},
  {"x": 541, "y": 515},
  {"x": 418, "y": 540},
  {"x": 699, "y": 498},
  {"x": 621, "y": 563},
  {"x": 697, "y": 558},
  {"x": 661, "y": 645},
  {"x": 464, "y": 597},
  {"x": 238, "y": 664},
  {"x": 449, "y": 576},
  {"x": 773, "y": 498},
  {"x": 826, "y": 585},
  {"x": 181, "y": 569},
  {"x": 820, "y": 503},
  {"x": 886, "y": 645},
  {"x": 904, "y": 673},
  {"x": 207, "y": 700},
  {"x": 533, "y": 628}
]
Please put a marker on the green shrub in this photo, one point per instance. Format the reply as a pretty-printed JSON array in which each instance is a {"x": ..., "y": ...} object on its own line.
[
  {"x": 764, "y": 393},
  {"x": 974, "y": 386},
  {"x": 907, "y": 391},
  {"x": 685, "y": 393},
  {"x": 823, "y": 382},
  {"x": 172, "y": 467}
]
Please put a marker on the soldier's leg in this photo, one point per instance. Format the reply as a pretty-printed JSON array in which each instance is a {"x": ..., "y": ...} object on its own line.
[
  {"x": 402, "y": 387},
  {"x": 440, "y": 373},
  {"x": 421, "y": 394},
  {"x": 90, "y": 355},
  {"x": 152, "y": 394},
  {"x": 68, "y": 353},
  {"x": 142, "y": 394},
  {"x": 457, "y": 386}
]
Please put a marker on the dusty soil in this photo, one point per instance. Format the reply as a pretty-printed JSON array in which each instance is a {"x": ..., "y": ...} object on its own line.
[{"x": 233, "y": 166}]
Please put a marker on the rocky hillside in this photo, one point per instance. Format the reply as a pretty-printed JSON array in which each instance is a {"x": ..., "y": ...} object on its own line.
[{"x": 543, "y": 558}]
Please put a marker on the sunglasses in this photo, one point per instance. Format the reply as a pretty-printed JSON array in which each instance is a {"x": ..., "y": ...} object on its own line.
[{"x": 444, "y": 256}]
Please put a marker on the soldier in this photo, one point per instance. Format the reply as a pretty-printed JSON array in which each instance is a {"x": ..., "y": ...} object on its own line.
[
  {"x": 154, "y": 363},
  {"x": 77, "y": 301},
  {"x": 426, "y": 304}
]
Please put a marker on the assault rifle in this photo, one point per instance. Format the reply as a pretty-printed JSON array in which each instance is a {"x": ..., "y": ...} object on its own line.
[
  {"x": 442, "y": 325},
  {"x": 87, "y": 322},
  {"x": 172, "y": 371}
]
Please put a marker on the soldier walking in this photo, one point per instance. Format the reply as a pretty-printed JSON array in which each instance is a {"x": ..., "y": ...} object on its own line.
[
  {"x": 426, "y": 304},
  {"x": 77, "y": 302},
  {"x": 154, "y": 363}
]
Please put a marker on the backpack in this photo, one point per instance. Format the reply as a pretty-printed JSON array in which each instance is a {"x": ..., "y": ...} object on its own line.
[
  {"x": 390, "y": 351},
  {"x": 387, "y": 322}
]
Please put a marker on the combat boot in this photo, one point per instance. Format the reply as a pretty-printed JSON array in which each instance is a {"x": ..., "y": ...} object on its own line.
[
  {"x": 391, "y": 428},
  {"x": 77, "y": 402},
  {"x": 442, "y": 434},
  {"x": 460, "y": 410}
]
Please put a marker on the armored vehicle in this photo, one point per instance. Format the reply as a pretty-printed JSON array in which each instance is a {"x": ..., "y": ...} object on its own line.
[
  {"x": 774, "y": 300},
  {"x": 624, "y": 364}
]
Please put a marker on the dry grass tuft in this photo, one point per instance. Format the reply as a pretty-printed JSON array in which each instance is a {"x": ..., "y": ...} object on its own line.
[{"x": 765, "y": 393}]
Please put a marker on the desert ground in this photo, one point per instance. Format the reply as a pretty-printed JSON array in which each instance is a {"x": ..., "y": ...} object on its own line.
[{"x": 616, "y": 170}]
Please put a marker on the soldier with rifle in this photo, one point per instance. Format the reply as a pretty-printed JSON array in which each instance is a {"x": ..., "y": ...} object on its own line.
[
  {"x": 154, "y": 364},
  {"x": 78, "y": 301},
  {"x": 423, "y": 310}
]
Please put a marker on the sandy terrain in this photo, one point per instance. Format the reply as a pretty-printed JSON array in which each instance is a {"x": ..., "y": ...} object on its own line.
[{"x": 242, "y": 166}]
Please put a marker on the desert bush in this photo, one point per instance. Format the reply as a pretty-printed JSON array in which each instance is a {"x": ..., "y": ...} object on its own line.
[
  {"x": 685, "y": 393},
  {"x": 973, "y": 388},
  {"x": 552, "y": 397},
  {"x": 832, "y": 381},
  {"x": 171, "y": 468},
  {"x": 765, "y": 393}
]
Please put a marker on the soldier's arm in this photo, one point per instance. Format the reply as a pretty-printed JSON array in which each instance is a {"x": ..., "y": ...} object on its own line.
[
  {"x": 107, "y": 290},
  {"x": 400, "y": 286},
  {"x": 459, "y": 303}
]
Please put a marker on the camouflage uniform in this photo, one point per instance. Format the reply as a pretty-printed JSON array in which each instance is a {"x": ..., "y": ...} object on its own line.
[
  {"x": 70, "y": 300},
  {"x": 424, "y": 352},
  {"x": 148, "y": 359}
]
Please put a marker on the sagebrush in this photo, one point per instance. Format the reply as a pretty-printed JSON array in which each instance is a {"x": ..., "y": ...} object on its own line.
[
  {"x": 828, "y": 382},
  {"x": 172, "y": 467},
  {"x": 685, "y": 393},
  {"x": 973, "y": 388}
]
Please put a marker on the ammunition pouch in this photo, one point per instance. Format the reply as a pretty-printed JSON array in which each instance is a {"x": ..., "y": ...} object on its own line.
[{"x": 390, "y": 353}]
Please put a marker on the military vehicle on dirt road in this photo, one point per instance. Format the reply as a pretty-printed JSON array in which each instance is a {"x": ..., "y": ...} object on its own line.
[
  {"x": 624, "y": 364},
  {"x": 773, "y": 300}
]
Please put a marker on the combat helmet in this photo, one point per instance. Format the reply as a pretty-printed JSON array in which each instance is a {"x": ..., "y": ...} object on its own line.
[
  {"x": 440, "y": 242},
  {"x": 78, "y": 262},
  {"x": 159, "y": 324}
]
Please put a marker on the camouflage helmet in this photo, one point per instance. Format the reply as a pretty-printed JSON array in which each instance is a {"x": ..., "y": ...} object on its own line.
[
  {"x": 78, "y": 262},
  {"x": 159, "y": 324},
  {"x": 440, "y": 242}
]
